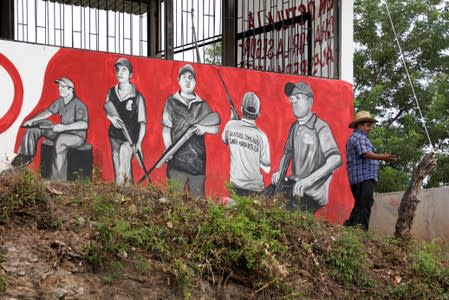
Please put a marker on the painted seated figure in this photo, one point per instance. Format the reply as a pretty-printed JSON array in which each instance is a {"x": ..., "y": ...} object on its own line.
[{"x": 69, "y": 133}]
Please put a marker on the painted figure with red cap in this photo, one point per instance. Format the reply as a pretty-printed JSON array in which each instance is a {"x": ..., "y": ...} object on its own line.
[
  {"x": 313, "y": 151},
  {"x": 70, "y": 133}
]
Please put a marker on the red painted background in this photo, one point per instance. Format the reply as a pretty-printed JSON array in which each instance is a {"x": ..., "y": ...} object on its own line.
[{"x": 93, "y": 73}]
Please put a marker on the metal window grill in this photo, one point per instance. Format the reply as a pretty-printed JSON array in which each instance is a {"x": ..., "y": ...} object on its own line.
[
  {"x": 290, "y": 36},
  {"x": 196, "y": 27},
  {"x": 101, "y": 25}
]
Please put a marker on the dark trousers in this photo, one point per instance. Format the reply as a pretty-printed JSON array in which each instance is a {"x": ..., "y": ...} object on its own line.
[
  {"x": 304, "y": 203},
  {"x": 244, "y": 192},
  {"x": 363, "y": 196},
  {"x": 194, "y": 183}
]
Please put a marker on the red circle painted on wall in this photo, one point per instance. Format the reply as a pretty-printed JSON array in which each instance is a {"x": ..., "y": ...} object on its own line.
[{"x": 16, "y": 106}]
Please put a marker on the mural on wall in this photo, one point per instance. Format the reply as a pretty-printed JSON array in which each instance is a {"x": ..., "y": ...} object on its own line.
[
  {"x": 69, "y": 133},
  {"x": 185, "y": 110},
  {"x": 248, "y": 147},
  {"x": 178, "y": 115},
  {"x": 312, "y": 151},
  {"x": 125, "y": 108}
]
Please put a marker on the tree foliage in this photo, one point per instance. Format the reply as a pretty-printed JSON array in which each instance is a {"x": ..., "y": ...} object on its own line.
[
  {"x": 382, "y": 87},
  {"x": 212, "y": 54}
]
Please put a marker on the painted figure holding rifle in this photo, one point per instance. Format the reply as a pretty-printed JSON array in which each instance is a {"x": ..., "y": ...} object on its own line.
[
  {"x": 183, "y": 110},
  {"x": 70, "y": 133},
  {"x": 312, "y": 151},
  {"x": 125, "y": 108}
]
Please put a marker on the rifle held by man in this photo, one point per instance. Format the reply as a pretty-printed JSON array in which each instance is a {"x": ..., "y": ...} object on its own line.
[
  {"x": 235, "y": 115},
  {"x": 40, "y": 126},
  {"x": 279, "y": 186},
  {"x": 210, "y": 119},
  {"x": 112, "y": 111}
]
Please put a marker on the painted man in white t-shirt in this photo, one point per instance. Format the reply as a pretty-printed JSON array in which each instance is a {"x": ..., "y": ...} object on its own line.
[{"x": 249, "y": 149}]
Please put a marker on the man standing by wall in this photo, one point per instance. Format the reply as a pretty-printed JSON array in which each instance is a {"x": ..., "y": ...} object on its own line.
[
  {"x": 249, "y": 149},
  {"x": 182, "y": 110},
  {"x": 363, "y": 168},
  {"x": 130, "y": 106},
  {"x": 313, "y": 151},
  {"x": 70, "y": 133}
]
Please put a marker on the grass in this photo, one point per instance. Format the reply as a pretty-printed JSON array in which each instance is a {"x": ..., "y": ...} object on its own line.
[
  {"x": 17, "y": 193},
  {"x": 348, "y": 259},
  {"x": 3, "y": 283},
  {"x": 255, "y": 243},
  {"x": 428, "y": 273}
]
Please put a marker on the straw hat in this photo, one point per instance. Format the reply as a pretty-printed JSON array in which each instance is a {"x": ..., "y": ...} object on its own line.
[{"x": 362, "y": 116}]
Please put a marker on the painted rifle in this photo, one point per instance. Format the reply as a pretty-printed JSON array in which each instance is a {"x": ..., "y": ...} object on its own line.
[
  {"x": 235, "y": 115},
  {"x": 210, "y": 119},
  {"x": 40, "y": 126},
  {"x": 279, "y": 186},
  {"x": 283, "y": 181},
  {"x": 112, "y": 111}
]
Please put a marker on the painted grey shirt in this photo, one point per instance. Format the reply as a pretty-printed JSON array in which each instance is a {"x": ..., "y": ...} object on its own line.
[
  {"x": 311, "y": 145},
  {"x": 70, "y": 113}
]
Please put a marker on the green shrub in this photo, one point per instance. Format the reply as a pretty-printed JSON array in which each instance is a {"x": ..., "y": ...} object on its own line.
[
  {"x": 348, "y": 259},
  {"x": 3, "y": 283},
  {"x": 429, "y": 273},
  {"x": 19, "y": 192}
]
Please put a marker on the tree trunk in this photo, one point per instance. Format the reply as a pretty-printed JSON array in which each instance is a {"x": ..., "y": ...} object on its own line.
[{"x": 409, "y": 201}]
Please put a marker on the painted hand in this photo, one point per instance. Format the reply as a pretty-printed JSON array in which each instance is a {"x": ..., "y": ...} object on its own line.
[
  {"x": 275, "y": 177},
  {"x": 301, "y": 186},
  {"x": 200, "y": 130}
]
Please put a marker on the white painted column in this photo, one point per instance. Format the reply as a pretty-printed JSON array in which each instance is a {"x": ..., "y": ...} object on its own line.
[{"x": 346, "y": 40}]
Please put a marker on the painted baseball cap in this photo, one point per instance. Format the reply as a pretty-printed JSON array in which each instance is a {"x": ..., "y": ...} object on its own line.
[
  {"x": 251, "y": 103},
  {"x": 291, "y": 89},
  {"x": 66, "y": 81},
  {"x": 186, "y": 68},
  {"x": 124, "y": 62}
]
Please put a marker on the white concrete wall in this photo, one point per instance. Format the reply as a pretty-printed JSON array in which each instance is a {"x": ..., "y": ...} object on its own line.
[
  {"x": 347, "y": 40},
  {"x": 432, "y": 214},
  {"x": 31, "y": 63}
]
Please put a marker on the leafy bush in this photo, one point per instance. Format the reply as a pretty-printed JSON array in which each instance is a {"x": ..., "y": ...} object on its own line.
[{"x": 348, "y": 259}]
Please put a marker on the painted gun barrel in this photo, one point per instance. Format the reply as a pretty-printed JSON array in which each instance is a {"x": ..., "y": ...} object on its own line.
[
  {"x": 210, "y": 119},
  {"x": 235, "y": 115}
]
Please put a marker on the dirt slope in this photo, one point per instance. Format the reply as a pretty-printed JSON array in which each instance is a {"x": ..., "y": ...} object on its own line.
[{"x": 97, "y": 241}]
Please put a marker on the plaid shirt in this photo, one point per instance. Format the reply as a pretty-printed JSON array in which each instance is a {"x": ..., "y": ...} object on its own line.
[{"x": 360, "y": 168}]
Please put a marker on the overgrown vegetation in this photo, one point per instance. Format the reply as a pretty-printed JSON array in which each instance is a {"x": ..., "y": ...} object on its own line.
[
  {"x": 3, "y": 283},
  {"x": 428, "y": 273},
  {"x": 254, "y": 244},
  {"x": 348, "y": 259},
  {"x": 20, "y": 192}
]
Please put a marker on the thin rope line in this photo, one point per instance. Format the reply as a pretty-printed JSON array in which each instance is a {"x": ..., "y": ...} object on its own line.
[{"x": 408, "y": 76}]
